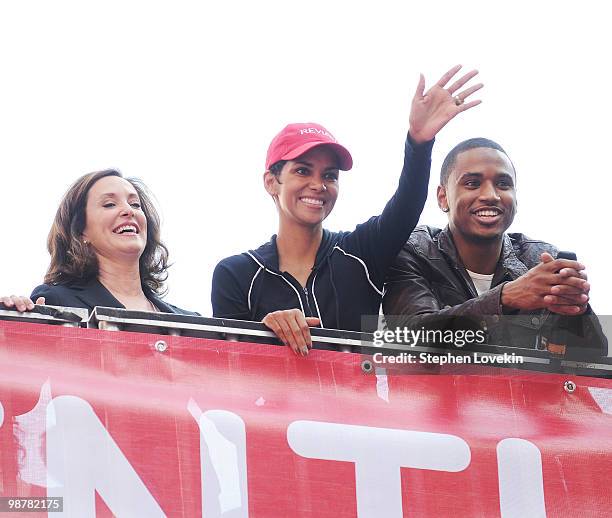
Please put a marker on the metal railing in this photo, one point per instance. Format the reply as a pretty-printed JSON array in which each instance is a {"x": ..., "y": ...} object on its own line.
[
  {"x": 55, "y": 315},
  {"x": 115, "y": 319}
]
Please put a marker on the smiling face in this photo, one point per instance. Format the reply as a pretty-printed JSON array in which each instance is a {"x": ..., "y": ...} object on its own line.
[
  {"x": 480, "y": 195},
  {"x": 115, "y": 224},
  {"x": 307, "y": 187}
]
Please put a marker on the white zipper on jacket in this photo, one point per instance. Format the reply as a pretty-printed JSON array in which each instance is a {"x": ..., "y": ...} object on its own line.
[
  {"x": 315, "y": 298},
  {"x": 282, "y": 277}
]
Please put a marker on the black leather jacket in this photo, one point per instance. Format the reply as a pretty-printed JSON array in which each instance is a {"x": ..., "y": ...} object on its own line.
[{"x": 429, "y": 286}]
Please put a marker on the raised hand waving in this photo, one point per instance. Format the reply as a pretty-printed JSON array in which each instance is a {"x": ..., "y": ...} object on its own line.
[{"x": 433, "y": 109}]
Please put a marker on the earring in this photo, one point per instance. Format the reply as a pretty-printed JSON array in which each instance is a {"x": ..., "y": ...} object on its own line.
[
  {"x": 445, "y": 209},
  {"x": 85, "y": 242}
]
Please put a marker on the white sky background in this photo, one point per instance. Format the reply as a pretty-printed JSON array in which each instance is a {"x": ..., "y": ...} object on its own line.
[{"x": 187, "y": 96}]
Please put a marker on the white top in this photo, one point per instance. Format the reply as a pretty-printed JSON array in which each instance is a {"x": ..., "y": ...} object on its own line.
[{"x": 482, "y": 282}]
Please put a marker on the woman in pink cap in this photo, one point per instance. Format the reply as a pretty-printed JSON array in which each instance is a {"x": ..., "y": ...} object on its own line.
[{"x": 308, "y": 276}]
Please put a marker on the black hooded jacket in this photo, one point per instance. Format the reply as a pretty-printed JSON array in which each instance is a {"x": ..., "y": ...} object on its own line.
[{"x": 347, "y": 279}]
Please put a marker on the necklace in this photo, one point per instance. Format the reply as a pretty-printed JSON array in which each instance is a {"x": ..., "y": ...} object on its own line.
[{"x": 154, "y": 308}]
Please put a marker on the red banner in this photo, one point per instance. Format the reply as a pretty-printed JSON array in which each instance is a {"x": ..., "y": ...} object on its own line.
[{"x": 120, "y": 424}]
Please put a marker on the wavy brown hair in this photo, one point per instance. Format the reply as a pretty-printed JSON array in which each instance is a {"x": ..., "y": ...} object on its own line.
[{"x": 73, "y": 261}]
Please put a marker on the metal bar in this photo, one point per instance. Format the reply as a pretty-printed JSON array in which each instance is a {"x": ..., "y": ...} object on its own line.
[
  {"x": 70, "y": 317},
  {"x": 115, "y": 319}
]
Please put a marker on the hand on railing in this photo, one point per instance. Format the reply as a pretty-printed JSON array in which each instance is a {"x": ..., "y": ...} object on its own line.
[
  {"x": 292, "y": 327},
  {"x": 20, "y": 303}
]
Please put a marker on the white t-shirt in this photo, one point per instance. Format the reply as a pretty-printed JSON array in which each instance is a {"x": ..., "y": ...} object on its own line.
[{"x": 482, "y": 282}]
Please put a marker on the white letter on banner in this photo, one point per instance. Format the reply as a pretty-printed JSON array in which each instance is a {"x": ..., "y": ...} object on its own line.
[
  {"x": 521, "y": 487},
  {"x": 378, "y": 454},
  {"x": 222, "y": 463},
  {"x": 29, "y": 430},
  {"x": 84, "y": 458},
  {"x": 603, "y": 398}
]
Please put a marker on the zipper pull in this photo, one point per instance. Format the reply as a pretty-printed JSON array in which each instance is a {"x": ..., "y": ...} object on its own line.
[{"x": 306, "y": 291}]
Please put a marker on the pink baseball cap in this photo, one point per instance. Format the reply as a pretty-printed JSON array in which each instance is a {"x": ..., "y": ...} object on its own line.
[{"x": 296, "y": 139}]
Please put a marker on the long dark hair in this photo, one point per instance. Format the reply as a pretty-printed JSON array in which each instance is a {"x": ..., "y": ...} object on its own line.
[{"x": 74, "y": 261}]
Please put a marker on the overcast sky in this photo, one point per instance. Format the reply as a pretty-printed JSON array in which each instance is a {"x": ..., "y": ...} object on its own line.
[{"x": 187, "y": 96}]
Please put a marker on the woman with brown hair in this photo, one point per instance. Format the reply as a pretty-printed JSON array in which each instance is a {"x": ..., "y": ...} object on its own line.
[{"x": 105, "y": 249}]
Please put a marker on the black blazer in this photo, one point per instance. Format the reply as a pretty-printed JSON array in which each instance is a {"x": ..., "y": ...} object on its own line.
[{"x": 92, "y": 293}]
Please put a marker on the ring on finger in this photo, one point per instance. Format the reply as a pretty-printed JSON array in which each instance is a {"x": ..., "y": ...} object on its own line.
[{"x": 458, "y": 100}]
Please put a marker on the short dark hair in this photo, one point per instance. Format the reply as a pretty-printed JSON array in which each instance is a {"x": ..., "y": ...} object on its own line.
[
  {"x": 466, "y": 145},
  {"x": 72, "y": 260},
  {"x": 276, "y": 168}
]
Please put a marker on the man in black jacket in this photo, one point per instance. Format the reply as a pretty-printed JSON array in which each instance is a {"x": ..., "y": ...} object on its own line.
[{"x": 474, "y": 275}]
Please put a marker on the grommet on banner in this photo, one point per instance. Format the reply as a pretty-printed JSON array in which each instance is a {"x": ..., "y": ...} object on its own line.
[
  {"x": 366, "y": 366},
  {"x": 161, "y": 346},
  {"x": 569, "y": 386}
]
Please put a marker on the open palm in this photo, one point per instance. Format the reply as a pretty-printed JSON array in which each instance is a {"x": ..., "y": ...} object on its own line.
[{"x": 433, "y": 109}]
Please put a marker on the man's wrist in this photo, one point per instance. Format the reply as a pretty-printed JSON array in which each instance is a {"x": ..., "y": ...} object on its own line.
[{"x": 506, "y": 298}]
